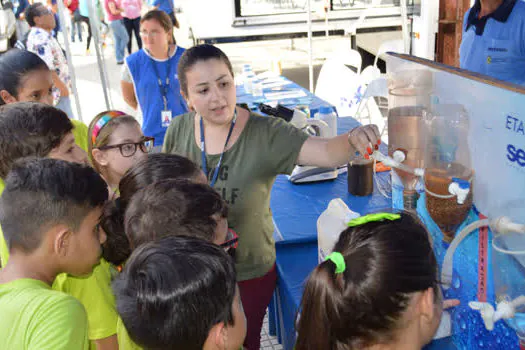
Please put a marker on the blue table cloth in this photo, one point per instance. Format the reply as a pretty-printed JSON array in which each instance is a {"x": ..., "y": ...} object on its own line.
[
  {"x": 313, "y": 102},
  {"x": 296, "y": 207}
]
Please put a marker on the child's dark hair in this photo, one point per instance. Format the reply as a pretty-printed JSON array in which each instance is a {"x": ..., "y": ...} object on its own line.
[
  {"x": 173, "y": 208},
  {"x": 41, "y": 193},
  {"x": 154, "y": 168},
  {"x": 33, "y": 11},
  {"x": 195, "y": 54},
  {"x": 14, "y": 65},
  {"x": 29, "y": 129},
  {"x": 385, "y": 261},
  {"x": 116, "y": 248},
  {"x": 173, "y": 291}
]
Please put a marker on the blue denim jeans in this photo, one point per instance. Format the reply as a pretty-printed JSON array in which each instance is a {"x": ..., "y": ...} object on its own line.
[
  {"x": 64, "y": 104},
  {"x": 120, "y": 37}
]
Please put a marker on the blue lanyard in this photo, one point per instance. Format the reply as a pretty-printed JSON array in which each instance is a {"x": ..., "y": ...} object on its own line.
[
  {"x": 164, "y": 87},
  {"x": 203, "y": 150}
]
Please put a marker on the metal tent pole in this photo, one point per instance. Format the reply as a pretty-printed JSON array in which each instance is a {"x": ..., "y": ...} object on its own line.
[
  {"x": 93, "y": 22},
  {"x": 65, "y": 33},
  {"x": 404, "y": 25},
  {"x": 310, "y": 48}
]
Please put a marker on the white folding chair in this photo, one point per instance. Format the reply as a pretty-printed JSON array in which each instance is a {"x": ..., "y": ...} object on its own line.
[
  {"x": 340, "y": 86},
  {"x": 349, "y": 57},
  {"x": 397, "y": 46},
  {"x": 369, "y": 109}
]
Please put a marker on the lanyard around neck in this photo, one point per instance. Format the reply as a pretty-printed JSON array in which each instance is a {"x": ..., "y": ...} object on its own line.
[
  {"x": 203, "y": 150},
  {"x": 164, "y": 87}
]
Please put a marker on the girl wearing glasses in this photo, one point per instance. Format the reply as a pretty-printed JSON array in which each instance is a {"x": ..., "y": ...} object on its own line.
[
  {"x": 115, "y": 144},
  {"x": 149, "y": 78}
]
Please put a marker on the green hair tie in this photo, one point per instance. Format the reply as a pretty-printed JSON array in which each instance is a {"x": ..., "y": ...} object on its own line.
[
  {"x": 373, "y": 218},
  {"x": 339, "y": 261}
]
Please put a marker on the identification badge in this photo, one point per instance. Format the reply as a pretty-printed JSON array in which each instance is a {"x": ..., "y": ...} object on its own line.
[{"x": 165, "y": 117}]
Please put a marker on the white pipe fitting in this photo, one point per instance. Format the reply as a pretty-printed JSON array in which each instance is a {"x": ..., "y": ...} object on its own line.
[
  {"x": 459, "y": 191},
  {"x": 504, "y": 310}
]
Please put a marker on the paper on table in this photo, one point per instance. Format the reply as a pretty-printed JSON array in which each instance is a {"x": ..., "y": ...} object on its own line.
[
  {"x": 284, "y": 94},
  {"x": 266, "y": 75},
  {"x": 273, "y": 80},
  {"x": 275, "y": 84}
]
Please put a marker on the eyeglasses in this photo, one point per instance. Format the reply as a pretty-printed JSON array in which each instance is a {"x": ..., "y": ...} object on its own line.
[
  {"x": 151, "y": 34},
  {"x": 130, "y": 148},
  {"x": 232, "y": 240}
]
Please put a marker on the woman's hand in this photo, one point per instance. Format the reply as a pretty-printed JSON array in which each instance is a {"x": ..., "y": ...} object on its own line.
[
  {"x": 339, "y": 150},
  {"x": 365, "y": 139},
  {"x": 450, "y": 303}
]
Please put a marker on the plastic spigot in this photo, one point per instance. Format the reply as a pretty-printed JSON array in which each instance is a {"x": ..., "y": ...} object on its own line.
[
  {"x": 399, "y": 156},
  {"x": 504, "y": 310},
  {"x": 459, "y": 188}
]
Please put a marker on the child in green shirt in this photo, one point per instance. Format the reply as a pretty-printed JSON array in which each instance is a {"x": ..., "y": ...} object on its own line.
[
  {"x": 49, "y": 212},
  {"x": 25, "y": 77},
  {"x": 29, "y": 129},
  {"x": 181, "y": 293},
  {"x": 177, "y": 203}
]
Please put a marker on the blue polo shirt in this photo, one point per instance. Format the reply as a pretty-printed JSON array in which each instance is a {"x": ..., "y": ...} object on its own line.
[
  {"x": 149, "y": 95},
  {"x": 494, "y": 45},
  {"x": 164, "y": 5}
]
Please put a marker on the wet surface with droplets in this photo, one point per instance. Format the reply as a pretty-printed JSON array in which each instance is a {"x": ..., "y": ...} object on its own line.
[{"x": 467, "y": 325}]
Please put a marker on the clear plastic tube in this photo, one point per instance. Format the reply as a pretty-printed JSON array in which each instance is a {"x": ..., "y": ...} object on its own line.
[
  {"x": 500, "y": 224},
  {"x": 446, "y": 269}
]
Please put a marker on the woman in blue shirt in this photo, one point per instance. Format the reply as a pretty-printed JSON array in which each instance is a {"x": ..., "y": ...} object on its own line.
[{"x": 149, "y": 77}]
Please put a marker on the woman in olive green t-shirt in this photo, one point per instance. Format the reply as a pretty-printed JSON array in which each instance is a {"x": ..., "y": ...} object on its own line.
[{"x": 242, "y": 153}]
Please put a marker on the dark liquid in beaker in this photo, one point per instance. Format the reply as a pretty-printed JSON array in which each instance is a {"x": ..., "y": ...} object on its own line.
[{"x": 361, "y": 178}]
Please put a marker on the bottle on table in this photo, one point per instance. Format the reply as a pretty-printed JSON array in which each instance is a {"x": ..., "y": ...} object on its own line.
[
  {"x": 327, "y": 114},
  {"x": 248, "y": 83}
]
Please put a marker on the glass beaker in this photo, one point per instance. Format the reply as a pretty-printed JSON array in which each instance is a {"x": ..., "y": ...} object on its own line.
[
  {"x": 448, "y": 172},
  {"x": 406, "y": 132}
]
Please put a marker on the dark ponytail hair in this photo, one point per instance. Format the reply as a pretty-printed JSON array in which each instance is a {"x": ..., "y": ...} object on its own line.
[
  {"x": 14, "y": 64},
  {"x": 386, "y": 261},
  {"x": 152, "y": 169}
]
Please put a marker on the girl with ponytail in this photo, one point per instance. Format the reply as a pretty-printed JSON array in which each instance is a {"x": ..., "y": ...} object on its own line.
[{"x": 377, "y": 290}]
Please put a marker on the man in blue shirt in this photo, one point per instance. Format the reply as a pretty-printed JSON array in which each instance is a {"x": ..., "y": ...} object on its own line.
[{"x": 494, "y": 40}]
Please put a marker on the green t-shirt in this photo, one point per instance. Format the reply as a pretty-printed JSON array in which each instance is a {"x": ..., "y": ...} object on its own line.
[
  {"x": 124, "y": 341},
  {"x": 4, "y": 251},
  {"x": 35, "y": 317},
  {"x": 80, "y": 131},
  {"x": 266, "y": 147},
  {"x": 94, "y": 292}
]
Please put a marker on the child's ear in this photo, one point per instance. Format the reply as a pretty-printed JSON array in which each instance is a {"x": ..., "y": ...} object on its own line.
[
  {"x": 62, "y": 240},
  {"x": 100, "y": 157},
  {"x": 7, "y": 97},
  {"x": 217, "y": 338},
  {"x": 427, "y": 305}
]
